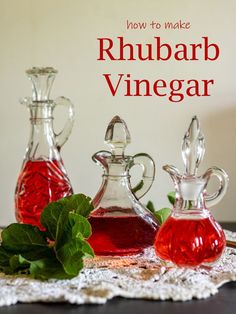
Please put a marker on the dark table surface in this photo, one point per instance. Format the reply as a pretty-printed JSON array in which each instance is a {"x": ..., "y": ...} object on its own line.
[{"x": 222, "y": 303}]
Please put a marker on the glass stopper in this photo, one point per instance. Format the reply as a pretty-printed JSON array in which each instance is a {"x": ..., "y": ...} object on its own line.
[
  {"x": 117, "y": 136},
  {"x": 193, "y": 147},
  {"x": 42, "y": 79}
]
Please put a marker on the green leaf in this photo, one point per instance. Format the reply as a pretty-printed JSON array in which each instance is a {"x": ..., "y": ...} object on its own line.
[
  {"x": 4, "y": 261},
  {"x": 4, "y": 257},
  {"x": 23, "y": 238},
  {"x": 87, "y": 250},
  {"x": 79, "y": 203},
  {"x": 151, "y": 207},
  {"x": 53, "y": 218},
  {"x": 71, "y": 251},
  {"x": 48, "y": 268},
  {"x": 162, "y": 214},
  {"x": 70, "y": 256},
  {"x": 171, "y": 197},
  {"x": 80, "y": 226},
  {"x": 19, "y": 264},
  {"x": 10, "y": 263},
  {"x": 138, "y": 187}
]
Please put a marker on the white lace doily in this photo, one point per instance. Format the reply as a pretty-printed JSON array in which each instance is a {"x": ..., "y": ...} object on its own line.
[{"x": 130, "y": 277}]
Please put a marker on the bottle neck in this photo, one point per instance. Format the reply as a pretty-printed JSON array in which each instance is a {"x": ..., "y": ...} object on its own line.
[
  {"x": 42, "y": 144},
  {"x": 116, "y": 179},
  {"x": 190, "y": 208},
  {"x": 190, "y": 193},
  {"x": 114, "y": 191},
  {"x": 117, "y": 168},
  {"x": 188, "y": 204},
  {"x": 41, "y": 110}
]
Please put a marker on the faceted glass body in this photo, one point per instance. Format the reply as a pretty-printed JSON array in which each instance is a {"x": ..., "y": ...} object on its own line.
[
  {"x": 190, "y": 241},
  {"x": 43, "y": 176},
  {"x": 191, "y": 236}
]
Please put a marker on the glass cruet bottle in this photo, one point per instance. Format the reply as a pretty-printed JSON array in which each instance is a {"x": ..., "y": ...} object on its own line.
[
  {"x": 121, "y": 225},
  {"x": 43, "y": 176},
  {"x": 191, "y": 236}
]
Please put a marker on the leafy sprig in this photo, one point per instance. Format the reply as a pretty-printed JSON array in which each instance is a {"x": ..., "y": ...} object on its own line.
[
  {"x": 163, "y": 213},
  {"x": 56, "y": 252}
]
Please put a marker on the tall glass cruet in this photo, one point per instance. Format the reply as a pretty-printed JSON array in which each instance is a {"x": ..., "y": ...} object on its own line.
[
  {"x": 121, "y": 225},
  {"x": 43, "y": 176},
  {"x": 191, "y": 236}
]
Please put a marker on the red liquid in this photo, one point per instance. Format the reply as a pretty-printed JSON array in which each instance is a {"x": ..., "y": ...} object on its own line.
[
  {"x": 188, "y": 242},
  {"x": 120, "y": 235},
  {"x": 39, "y": 183}
]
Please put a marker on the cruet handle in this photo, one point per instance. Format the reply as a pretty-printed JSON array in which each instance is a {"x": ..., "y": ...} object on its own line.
[
  {"x": 63, "y": 136},
  {"x": 148, "y": 166},
  {"x": 223, "y": 178}
]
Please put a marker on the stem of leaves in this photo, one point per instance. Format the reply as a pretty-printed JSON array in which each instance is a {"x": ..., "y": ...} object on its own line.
[{"x": 163, "y": 213}]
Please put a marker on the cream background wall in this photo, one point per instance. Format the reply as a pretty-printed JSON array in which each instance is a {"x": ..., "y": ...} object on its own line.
[{"x": 62, "y": 33}]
